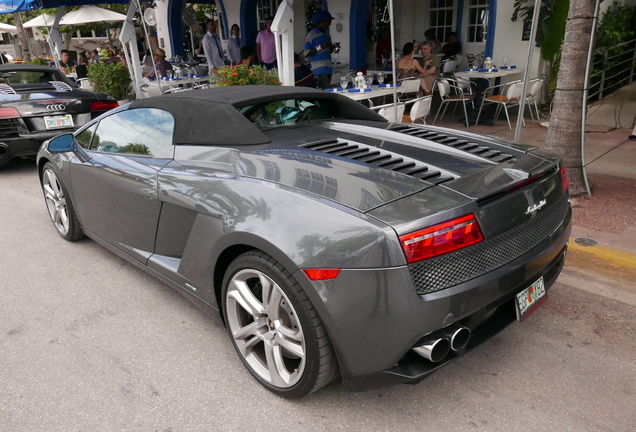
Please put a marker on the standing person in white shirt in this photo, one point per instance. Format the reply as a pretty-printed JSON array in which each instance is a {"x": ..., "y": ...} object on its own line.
[
  {"x": 212, "y": 47},
  {"x": 234, "y": 44}
]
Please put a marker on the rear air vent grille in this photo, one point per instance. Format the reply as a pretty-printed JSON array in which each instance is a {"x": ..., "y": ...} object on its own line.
[
  {"x": 481, "y": 149},
  {"x": 10, "y": 128},
  {"x": 379, "y": 158},
  {"x": 6, "y": 89},
  {"x": 61, "y": 86}
]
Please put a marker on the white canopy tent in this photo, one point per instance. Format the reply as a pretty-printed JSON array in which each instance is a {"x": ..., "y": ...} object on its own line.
[
  {"x": 6, "y": 28},
  {"x": 91, "y": 14},
  {"x": 44, "y": 20}
]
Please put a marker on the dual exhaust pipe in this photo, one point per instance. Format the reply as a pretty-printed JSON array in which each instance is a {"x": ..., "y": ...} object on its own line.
[{"x": 436, "y": 346}]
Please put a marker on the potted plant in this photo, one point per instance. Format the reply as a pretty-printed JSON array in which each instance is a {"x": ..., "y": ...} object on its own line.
[
  {"x": 228, "y": 76},
  {"x": 110, "y": 78}
]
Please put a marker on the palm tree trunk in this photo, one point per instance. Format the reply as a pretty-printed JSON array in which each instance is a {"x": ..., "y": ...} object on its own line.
[
  {"x": 24, "y": 42},
  {"x": 564, "y": 133}
]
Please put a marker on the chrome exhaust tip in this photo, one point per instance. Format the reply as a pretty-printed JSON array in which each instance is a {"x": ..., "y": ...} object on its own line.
[
  {"x": 433, "y": 348},
  {"x": 457, "y": 335}
]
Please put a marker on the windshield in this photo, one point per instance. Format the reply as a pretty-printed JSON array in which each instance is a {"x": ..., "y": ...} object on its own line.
[
  {"x": 31, "y": 76},
  {"x": 288, "y": 112}
]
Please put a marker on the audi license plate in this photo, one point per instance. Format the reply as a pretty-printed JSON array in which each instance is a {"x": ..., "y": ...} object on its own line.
[
  {"x": 529, "y": 299},
  {"x": 59, "y": 122}
]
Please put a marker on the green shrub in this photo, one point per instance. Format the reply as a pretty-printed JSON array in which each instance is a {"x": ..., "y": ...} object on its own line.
[
  {"x": 40, "y": 61},
  {"x": 239, "y": 75},
  {"x": 110, "y": 78}
]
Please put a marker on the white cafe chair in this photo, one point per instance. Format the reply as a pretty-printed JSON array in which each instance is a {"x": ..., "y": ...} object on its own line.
[
  {"x": 450, "y": 92},
  {"x": 85, "y": 84},
  {"x": 420, "y": 109},
  {"x": 388, "y": 111},
  {"x": 509, "y": 97}
]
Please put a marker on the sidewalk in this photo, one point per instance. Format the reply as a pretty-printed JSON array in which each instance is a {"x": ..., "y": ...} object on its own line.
[{"x": 609, "y": 216}]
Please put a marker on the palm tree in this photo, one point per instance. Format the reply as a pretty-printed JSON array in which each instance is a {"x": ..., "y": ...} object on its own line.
[
  {"x": 24, "y": 43},
  {"x": 564, "y": 133}
]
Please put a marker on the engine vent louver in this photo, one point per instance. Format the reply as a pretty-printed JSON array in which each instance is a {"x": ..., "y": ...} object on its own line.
[
  {"x": 61, "y": 86},
  {"x": 6, "y": 89},
  {"x": 379, "y": 158},
  {"x": 479, "y": 149}
]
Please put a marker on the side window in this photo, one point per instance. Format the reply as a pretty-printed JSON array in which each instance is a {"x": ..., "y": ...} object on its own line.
[
  {"x": 141, "y": 132},
  {"x": 85, "y": 137}
]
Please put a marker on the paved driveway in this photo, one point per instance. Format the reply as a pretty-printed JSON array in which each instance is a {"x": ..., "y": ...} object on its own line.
[{"x": 89, "y": 343}]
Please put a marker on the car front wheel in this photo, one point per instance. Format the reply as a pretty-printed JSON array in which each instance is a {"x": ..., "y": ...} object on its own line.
[
  {"x": 275, "y": 328},
  {"x": 59, "y": 205}
]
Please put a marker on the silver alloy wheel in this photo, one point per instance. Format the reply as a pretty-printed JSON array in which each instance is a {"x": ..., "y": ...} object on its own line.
[
  {"x": 55, "y": 201},
  {"x": 265, "y": 328}
]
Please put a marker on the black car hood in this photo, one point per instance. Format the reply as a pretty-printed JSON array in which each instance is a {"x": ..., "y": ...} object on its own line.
[{"x": 365, "y": 165}]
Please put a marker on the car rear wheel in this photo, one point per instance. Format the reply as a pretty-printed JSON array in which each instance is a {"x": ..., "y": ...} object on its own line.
[
  {"x": 59, "y": 205},
  {"x": 274, "y": 327}
]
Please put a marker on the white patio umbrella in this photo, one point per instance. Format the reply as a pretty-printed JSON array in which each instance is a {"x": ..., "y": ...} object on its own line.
[
  {"x": 6, "y": 28},
  {"x": 44, "y": 20},
  {"x": 90, "y": 14}
]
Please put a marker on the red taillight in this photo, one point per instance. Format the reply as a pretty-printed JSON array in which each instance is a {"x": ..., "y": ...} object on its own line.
[
  {"x": 321, "y": 274},
  {"x": 9, "y": 112},
  {"x": 103, "y": 105},
  {"x": 441, "y": 238},
  {"x": 564, "y": 178}
]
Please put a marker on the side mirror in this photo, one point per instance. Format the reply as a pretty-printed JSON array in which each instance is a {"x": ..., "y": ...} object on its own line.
[{"x": 62, "y": 143}]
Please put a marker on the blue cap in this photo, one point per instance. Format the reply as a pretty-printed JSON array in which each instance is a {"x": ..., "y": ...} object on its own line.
[{"x": 320, "y": 16}]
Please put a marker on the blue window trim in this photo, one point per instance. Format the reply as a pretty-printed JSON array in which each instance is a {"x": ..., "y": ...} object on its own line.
[
  {"x": 492, "y": 25},
  {"x": 358, "y": 33}
]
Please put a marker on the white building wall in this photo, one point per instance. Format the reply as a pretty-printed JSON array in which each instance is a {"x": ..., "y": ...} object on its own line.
[{"x": 508, "y": 42}]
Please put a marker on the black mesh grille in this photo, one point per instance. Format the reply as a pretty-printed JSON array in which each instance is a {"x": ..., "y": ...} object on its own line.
[
  {"x": 379, "y": 158},
  {"x": 457, "y": 267},
  {"x": 480, "y": 149},
  {"x": 9, "y": 128}
]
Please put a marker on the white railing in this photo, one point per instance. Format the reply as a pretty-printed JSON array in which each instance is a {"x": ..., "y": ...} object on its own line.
[{"x": 615, "y": 68}]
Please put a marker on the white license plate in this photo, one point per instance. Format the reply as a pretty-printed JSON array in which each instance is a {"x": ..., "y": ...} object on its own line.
[
  {"x": 59, "y": 122},
  {"x": 529, "y": 299}
]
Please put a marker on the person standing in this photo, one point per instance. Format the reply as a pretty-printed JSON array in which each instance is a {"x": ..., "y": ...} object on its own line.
[
  {"x": 212, "y": 47},
  {"x": 234, "y": 45},
  {"x": 318, "y": 48},
  {"x": 266, "y": 45},
  {"x": 141, "y": 47}
]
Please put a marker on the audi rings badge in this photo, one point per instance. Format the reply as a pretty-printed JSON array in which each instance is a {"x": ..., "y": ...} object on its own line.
[{"x": 56, "y": 107}]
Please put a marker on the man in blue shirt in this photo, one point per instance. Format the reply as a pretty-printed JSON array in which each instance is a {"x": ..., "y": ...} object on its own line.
[{"x": 318, "y": 48}]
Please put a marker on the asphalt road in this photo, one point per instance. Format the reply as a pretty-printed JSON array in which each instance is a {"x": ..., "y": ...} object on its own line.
[{"x": 90, "y": 343}]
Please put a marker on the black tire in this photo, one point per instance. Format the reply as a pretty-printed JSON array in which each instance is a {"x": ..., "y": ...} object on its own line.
[
  {"x": 59, "y": 205},
  {"x": 285, "y": 328}
]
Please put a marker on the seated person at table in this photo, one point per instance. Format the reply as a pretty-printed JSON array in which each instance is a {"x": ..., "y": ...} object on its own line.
[
  {"x": 303, "y": 76},
  {"x": 408, "y": 67},
  {"x": 453, "y": 47},
  {"x": 95, "y": 56},
  {"x": 162, "y": 67},
  {"x": 82, "y": 69},
  {"x": 66, "y": 64},
  {"x": 431, "y": 38},
  {"x": 431, "y": 65},
  {"x": 247, "y": 55}
]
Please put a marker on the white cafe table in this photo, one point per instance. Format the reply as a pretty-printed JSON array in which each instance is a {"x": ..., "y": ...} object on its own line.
[
  {"x": 489, "y": 75},
  {"x": 375, "y": 92},
  {"x": 154, "y": 90}
]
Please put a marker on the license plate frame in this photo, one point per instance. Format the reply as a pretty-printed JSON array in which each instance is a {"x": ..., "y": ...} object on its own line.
[
  {"x": 59, "y": 122},
  {"x": 530, "y": 298}
]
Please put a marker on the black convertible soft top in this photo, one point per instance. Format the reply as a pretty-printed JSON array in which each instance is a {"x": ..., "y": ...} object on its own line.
[{"x": 210, "y": 116}]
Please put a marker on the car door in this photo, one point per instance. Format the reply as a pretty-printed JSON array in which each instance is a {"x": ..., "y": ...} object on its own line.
[{"x": 115, "y": 189}]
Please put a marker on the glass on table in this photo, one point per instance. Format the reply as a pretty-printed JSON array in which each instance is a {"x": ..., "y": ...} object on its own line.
[
  {"x": 504, "y": 61},
  {"x": 344, "y": 81}
]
